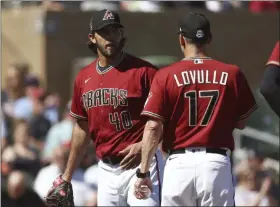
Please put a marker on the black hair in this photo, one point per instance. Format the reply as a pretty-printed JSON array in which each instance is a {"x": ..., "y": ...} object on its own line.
[{"x": 197, "y": 42}]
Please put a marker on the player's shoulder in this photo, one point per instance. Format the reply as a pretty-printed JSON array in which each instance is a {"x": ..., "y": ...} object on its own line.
[
  {"x": 139, "y": 63},
  {"x": 170, "y": 69},
  {"x": 86, "y": 71},
  {"x": 226, "y": 66}
]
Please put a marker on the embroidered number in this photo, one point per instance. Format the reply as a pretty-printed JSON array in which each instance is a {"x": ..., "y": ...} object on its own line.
[
  {"x": 122, "y": 120},
  {"x": 192, "y": 96}
]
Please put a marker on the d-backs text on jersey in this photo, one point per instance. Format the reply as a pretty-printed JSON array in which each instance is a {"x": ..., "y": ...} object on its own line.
[{"x": 105, "y": 97}]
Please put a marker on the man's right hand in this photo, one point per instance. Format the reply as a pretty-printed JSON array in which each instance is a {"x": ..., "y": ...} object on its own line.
[{"x": 132, "y": 156}]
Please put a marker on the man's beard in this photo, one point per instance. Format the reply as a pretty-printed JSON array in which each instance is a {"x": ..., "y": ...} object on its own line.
[{"x": 109, "y": 54}]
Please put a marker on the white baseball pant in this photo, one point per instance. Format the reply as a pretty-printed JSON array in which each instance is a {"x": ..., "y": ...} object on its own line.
[
  {"x": 116, "y": 186},
  {"x": 197, "y": 179}
]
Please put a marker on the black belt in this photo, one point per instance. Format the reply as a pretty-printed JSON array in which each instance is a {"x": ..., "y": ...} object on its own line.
[
  {"x": 112, "y": 160},
  {"x": 208, "y": 150}
]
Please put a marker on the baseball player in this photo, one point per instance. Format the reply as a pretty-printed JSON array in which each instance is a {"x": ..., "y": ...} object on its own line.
[
  {"x": 109, "y": 95},
  {"x": 270, "y": 86},
  {"x": 196, "y": 103}
]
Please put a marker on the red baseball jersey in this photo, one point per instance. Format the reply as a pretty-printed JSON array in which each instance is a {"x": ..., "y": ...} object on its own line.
[
  {"x": 111, "y": 101},
  {"x": 275, "y": 55},
  {"x": 200, "y": 101}
]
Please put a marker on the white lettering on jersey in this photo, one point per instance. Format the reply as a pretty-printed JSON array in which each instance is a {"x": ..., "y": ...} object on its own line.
[{"x": 201, "y": 77}]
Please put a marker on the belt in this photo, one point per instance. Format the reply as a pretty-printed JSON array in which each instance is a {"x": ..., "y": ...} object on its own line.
[
  {"x": 208, "y": 150},
  {"x": 112, "y": 160}
]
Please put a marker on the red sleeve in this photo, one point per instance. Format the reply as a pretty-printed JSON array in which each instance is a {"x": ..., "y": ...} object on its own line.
[
  {"x": 245, "y": 98},
  {"x": 149, "y": 75},
  {"x": 156, "y": 104},
  {"x": 275, "y": 56},
  {"x": 77, "y": 109}
]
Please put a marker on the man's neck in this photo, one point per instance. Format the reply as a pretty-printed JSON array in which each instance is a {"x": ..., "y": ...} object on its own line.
[
  {"x": 192, "y": 52},
  {"x": 107, "y": 61}
]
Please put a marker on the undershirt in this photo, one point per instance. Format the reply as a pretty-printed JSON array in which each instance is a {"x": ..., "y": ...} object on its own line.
[{"x": 102, "y": 69}]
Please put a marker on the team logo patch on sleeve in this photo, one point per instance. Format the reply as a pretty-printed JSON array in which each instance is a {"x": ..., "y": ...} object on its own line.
[{"x": 108, "y": 15}]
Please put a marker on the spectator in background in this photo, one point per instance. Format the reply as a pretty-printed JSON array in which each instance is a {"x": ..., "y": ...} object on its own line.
[
  {"x": 45, "y": 177},
  {"x": 51, "y": 101},
  {"x": 3, "y": 131},
  {"x": 58, "y": 134},
  {"x": 39, "y": 125},
  {"x": 220, "y": 6},
  {"x": 99, "y": 5},
  {"x": 191, "y": 4},
  {"x": 21, "y": 155},
  {"x": 141, "y": 6},
  {"x": 247, "y": 192},
  {"x": 91, "y": 175},
  {"x": 264, "y": 6},
  {"x": 18, "y": 194},
  {"x": 31, "y": 83},
  {"x": 58, "y": 6},
  {"x": 52, "y": 104},
  {"x": 17, "y": 104}
]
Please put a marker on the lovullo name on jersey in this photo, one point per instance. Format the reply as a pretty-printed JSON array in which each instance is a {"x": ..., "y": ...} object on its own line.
[
  {"x": 201, "y": 76},
  {"x": 105, "y": 97}
]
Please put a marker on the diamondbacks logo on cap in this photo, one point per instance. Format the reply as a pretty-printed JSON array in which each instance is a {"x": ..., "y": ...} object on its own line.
[
  {"x": 108, "y": 15},
  {"x": 199, "y": 33}
]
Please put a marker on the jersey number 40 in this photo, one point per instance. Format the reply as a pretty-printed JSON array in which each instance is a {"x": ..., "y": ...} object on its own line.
[
  {"x": 193, "y": 99},
  {"x": 121, "y": 120}
]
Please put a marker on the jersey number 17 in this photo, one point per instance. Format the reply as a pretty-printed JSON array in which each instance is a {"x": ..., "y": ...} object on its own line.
[{"x": 193, "y": 99}]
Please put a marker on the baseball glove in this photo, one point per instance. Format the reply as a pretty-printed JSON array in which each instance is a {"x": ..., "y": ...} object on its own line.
[{"x": 60, "y": 194}]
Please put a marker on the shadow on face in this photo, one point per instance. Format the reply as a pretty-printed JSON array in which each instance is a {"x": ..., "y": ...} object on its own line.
[{"x": 108, "y": 40}]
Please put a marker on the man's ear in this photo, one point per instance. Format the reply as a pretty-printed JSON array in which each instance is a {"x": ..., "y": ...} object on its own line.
[
  {"x": 92, "y": 38},
  {"x": 182, "y": 41}
]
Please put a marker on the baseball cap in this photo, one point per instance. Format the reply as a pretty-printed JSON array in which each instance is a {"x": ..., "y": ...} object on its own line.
[
  {"x": 32, "y": 80},
  {"x": 195, "y": 26},
  {"x": 103, "y": 18}
]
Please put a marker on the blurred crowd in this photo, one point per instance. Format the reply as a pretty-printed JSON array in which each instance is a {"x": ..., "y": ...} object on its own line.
[
  {"x": 36, "y": 128},
  {"x": 35, "y": 143},
  {"x": 148, "y": 6},
  {"x": 256, "y": 178}
]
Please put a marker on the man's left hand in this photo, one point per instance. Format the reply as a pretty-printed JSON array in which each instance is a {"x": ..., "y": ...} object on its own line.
[{"x": 132, "y": 156}]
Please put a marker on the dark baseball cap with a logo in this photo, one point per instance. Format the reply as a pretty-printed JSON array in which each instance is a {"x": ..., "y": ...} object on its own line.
[
  {"x": 195, "y": 26},
  {"x": 103, "y": 18}
]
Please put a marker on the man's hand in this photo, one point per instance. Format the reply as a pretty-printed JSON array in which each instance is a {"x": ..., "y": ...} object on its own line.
[
  {"x": 60, "y": 194},
  {"x": 132, "y": 156},
  {"x": 138, "y": 187}
]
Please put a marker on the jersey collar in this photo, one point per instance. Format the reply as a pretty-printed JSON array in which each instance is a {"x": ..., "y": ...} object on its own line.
[
  {"x": 194, "y": 58},
  {"x": 118, "y": 61}
]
